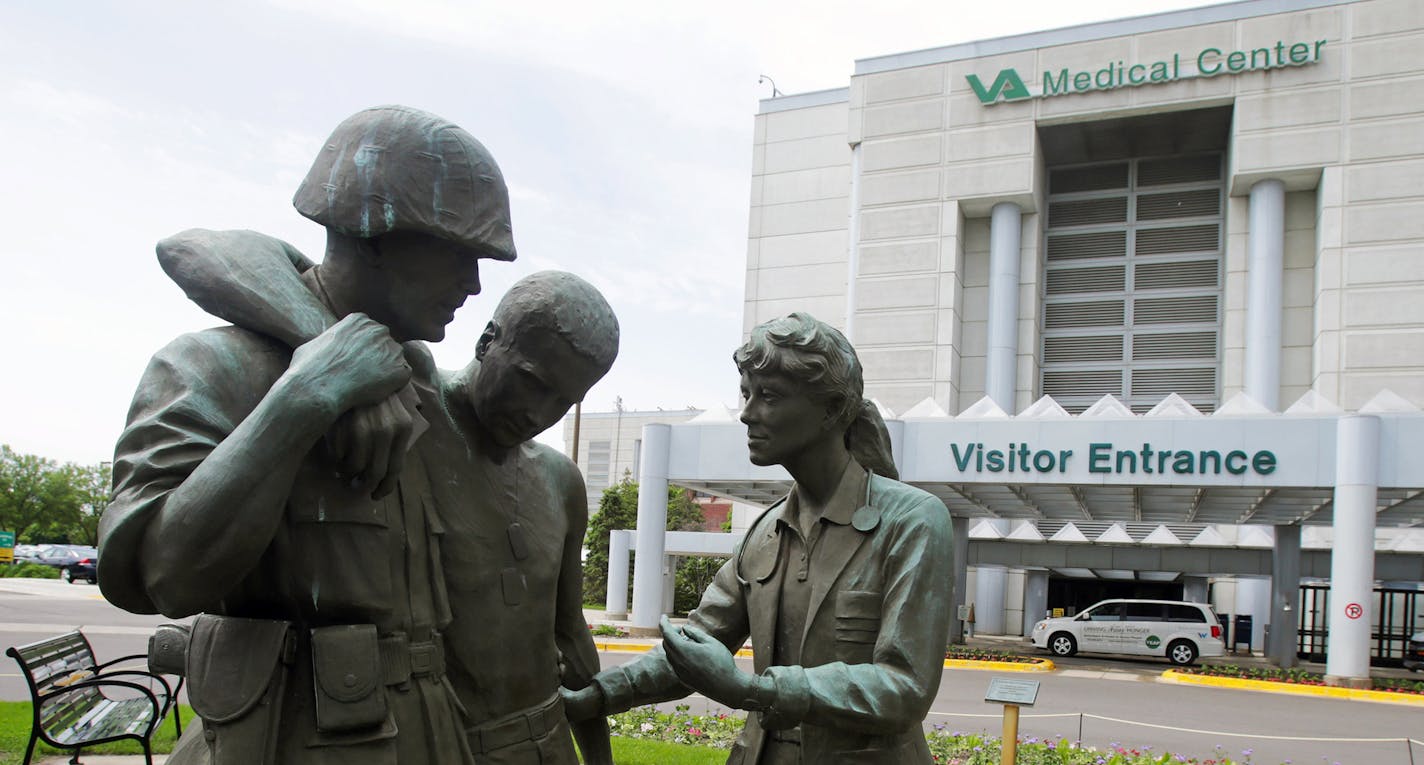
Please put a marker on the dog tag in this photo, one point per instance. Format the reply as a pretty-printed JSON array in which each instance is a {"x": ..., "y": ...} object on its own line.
[
  {"x": 513, "y": 584},
  {"x": 517, "y": 543}
]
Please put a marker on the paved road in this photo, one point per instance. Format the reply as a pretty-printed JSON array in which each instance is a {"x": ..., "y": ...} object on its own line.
[{"x": 1163, "y": 716}]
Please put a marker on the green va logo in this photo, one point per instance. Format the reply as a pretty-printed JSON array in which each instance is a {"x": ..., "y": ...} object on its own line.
[
  {"x": 1008, "y": 85},
  {"x": 1153, "y": 641}
]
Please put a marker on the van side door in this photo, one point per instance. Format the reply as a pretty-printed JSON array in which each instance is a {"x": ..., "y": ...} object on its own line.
[{"x": 1098, "y": 631}]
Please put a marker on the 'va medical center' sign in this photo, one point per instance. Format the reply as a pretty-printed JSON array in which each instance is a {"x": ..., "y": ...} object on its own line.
[{"x": 1009, "y": 84}]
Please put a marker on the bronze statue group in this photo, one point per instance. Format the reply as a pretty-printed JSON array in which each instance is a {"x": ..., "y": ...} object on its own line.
[{"x": 383, "y": 566}]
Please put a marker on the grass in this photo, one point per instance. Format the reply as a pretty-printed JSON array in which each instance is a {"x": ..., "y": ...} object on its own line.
[
  {"x": 15, "y": 718},
  {"x": 632, "y": 751}
]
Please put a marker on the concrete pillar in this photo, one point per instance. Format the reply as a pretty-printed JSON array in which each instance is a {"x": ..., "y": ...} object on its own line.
[
  {"x": 1352, "y": 559},
  {"x": 1001, "y": 364},
  {"x": 961, "y": 577},
  {"x": 1265, "y": 252},
  {"x": 1035, "y": 598},
  {"x": 989, "y": 583},
  {"x": 615, "y": 605},
  {"x": 648, "y": 566},
  {"x": 1194, "y": 588},
  {"x": 1285, "y": 597}
]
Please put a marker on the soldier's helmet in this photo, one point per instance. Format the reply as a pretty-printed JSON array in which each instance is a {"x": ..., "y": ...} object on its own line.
[{"x": 393, "y": 168}]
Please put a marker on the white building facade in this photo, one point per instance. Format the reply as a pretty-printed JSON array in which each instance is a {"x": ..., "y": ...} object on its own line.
[{"x": 1146, "y": 298}]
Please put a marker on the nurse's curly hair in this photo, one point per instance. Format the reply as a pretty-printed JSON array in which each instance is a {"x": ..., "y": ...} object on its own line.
[{"x": 815, "y": 353}]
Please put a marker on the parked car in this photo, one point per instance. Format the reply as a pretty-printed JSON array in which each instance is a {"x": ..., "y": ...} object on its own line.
[
  {"x": 1414, "y": 652},
  {"x": 76, "y": 563},
  {"x": 1178, "y": 630},
  {"x": 26, "y": 553}
]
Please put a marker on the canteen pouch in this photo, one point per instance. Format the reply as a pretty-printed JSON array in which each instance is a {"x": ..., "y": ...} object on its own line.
[
  {"x": 346, "y": 663},
  {"x": 168, "y": 649},
  {"x": 237, "y": 671}
]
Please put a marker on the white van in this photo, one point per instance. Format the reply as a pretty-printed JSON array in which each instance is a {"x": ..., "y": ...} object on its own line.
[{"x": 1178, "y": 630}]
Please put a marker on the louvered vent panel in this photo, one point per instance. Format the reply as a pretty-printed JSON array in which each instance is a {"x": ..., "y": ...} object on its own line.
[
  {"x": 1157, "y": 383},
  {"x": 1151, "y": 322},
  {"x": 1090, "y": 178},
  {"x": 1179, "y": 204},
  {"x": 1098, "y": 313},
  {"x": 1163, "y": 241},
  {"x": 1174, "y": 310},
  {"x": 1083, "y": 212},
  {"x": 1196, "y": 169},
  {"x": 1174, "y": 345},
  {"x": 1180, "y": 275},
  {"x": 1099, "y": 244},
  {"x": 1073, "y": 349},
  {"x": 1069, "y": 281},
  {"x": 1083, "y": 383}
]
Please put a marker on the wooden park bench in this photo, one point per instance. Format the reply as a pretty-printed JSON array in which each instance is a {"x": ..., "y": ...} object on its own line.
[{"x": 78, "y": 702}]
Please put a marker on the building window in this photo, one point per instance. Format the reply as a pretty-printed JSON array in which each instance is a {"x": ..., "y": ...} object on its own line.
[
  {"x": 598, "y": 464},
  {"x": 1132, "y": 286}
]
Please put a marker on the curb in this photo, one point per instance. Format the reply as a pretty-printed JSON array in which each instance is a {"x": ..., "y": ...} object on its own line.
[
  {"x": 1269, "y": 686},
  {"x": 632, "y": 647},
  {"x": 1037, "y": 665}
]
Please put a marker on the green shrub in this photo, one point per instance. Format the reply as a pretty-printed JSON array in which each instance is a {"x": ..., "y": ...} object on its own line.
[{"x": 29, "y": 570}]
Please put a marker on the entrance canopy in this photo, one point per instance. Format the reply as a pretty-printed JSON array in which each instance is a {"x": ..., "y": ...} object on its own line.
[{"x": 1241, "y": 464}]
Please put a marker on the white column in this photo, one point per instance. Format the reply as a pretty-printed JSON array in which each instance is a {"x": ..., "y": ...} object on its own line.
[
  {"x": 989, "y": 584},
  {"x": 1352, "y": 559},
  {"x": 615, "y": 605},
  {"x": 652, "y": 525},
  {"x": 1194, "y": 589},
  {"x": 1253, "y": 597},
  {"x": 1001, "y": 364},
  {"x": 1265, "y": 252},
  {"x": 1035, "y": 598}
]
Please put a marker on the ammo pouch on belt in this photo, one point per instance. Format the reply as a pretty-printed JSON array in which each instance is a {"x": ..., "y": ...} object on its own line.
[
  {"x": 237, "y": 671},
  {"x": 168, "y": 649},
  {"x": 346, "y": 665}
]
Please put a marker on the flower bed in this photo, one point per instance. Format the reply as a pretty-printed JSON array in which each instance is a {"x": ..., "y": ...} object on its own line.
[
  {"x": 975, "y": 749},
  {"x": 1296, "y": 677},
  {"x": 607, "y": 630},
  {"x": 979, "y": 654},
  {"x": 947, "y": 747}
]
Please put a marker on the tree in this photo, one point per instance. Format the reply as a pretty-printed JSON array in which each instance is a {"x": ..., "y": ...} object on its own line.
[
  {"x": 618, "y": 509},
  {"x": 92, "y": 485},
  {"x": 38, "y": 498}
]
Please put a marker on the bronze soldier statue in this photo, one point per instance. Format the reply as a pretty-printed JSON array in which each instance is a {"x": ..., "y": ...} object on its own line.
[
  {"x": 512, "y": 542},
  {"x": 249, "y": 489}
]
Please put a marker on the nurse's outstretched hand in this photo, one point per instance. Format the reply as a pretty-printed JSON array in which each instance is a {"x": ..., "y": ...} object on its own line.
[{"x": 704, "y": 664}]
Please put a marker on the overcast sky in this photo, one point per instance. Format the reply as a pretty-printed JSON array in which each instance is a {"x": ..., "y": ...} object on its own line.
[{"x": 624, "y": 130}]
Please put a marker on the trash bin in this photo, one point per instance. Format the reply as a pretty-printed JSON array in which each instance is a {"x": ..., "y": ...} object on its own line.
[{"x": 1241, "y": 632}]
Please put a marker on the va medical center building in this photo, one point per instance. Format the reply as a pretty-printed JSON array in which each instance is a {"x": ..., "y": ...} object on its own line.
[{"x": 1144, "y": 301}]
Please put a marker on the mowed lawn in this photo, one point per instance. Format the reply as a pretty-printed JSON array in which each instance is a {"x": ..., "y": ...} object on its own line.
[{"x": 15, "y": 718}]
